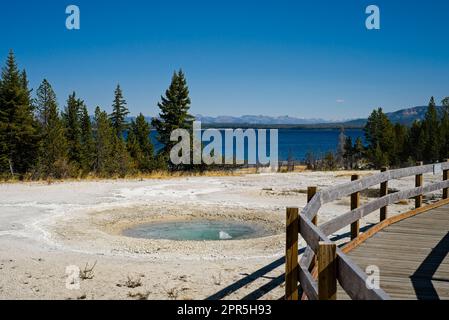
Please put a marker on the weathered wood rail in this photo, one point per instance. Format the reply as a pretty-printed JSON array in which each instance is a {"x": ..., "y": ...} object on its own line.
[{"x": 324, "y": 264}]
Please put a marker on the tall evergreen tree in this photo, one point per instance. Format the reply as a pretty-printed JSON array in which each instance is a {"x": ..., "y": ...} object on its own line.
[
  {"x": 340, "y": 155},
  {"x": 121, "y": 163},
  {"x": 174, "y": 113},
  {"x": 358, "y": 151},
  {"x": 18, "y": 128},
  {"x": 24, "y": 80},
  {"x": 132, "y": 145},
  {"x": 142, "y": 131},
  {"x": 87, "y": 141},
  {"x": 119, "y": 112},
  {"x": 378, "y": 157},
  {"x": 379, "y": 134},
  {"x": 25, "y": 86},
  {"x": 399, "y": 155},
  {"x": 72, "y": 124},
  {"x": 103, "y": 134},
  {"x": 139, "y": 144},
  {"x": 416, "y": 142},
  {"x": 431, "y": 127},
  {"x": 444, "y": 140},
  {"x": 53, "y": 149},
  {"x": 348, "y": 154},
  {"x": 45, "y": 103}
]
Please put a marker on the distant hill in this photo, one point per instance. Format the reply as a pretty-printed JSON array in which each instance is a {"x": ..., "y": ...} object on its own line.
[
  {"x": 404, "y": 116},
  {"x": 260, "y": 119}
]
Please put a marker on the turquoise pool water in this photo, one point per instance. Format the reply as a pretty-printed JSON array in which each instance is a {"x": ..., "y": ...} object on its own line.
[{"x": 197, "y": 230}]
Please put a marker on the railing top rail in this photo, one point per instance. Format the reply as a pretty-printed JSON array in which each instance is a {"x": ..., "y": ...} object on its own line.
[
  {"x": 350, "y": 276},
  {"x": 346, "y": 189},
  {"x": 351, "y": 216}
]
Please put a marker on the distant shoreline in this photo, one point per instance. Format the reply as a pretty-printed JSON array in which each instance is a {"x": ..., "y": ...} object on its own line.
[
  {"x": 328, "y": 126},
  {"x": 224, "y": 126}
]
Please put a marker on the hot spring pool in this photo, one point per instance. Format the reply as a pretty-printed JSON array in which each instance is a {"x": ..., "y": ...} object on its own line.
[{"x": 197, "y": 230}]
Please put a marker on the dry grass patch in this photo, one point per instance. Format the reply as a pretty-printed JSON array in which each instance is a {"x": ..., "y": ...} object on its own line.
[
  {"x": 172, "y": 293},
  {"x": 139, "y": 295},
  {"x": 88, "y": 272},
  {"x": 133, "y": 282},
  {"x": 158, "y": 175}
]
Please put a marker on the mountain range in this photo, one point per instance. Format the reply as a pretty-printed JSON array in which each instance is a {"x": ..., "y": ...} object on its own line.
[
  {"x": 404, "y": 116},
  {"x": 260, "y": 119}
]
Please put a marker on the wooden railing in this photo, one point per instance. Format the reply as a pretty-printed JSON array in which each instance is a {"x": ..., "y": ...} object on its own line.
[{"x": 323, "y": 263}]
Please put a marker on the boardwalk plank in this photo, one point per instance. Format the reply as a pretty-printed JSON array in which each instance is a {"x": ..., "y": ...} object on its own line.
[{"x": 412, "y": 255}]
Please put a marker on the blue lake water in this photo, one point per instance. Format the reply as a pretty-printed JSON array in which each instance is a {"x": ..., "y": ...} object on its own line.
[{"x": 299, "y": 142}]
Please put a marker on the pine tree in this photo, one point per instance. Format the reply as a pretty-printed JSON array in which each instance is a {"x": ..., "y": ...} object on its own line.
[
  {"x": 18, "y": 128},
  {"x": 119, "y": 112},
  {"x": 358, "y": 151},
  {"x": 379, "y": 158},
  {"x": 141, "y": 131},
  {"x": 72, "y": 124},
  {"x": 53, "y": 149},
  {"x": 45, "y": 103},
  {"x": 111, "y": 156},
  {"x": 340, "y": 155},
  {"x": 416, "y": 142},
  {"x": 174, "y": 113},
  {"x": 399, "y": 156},
  {"x": 329, "y": 161},
  {"x": 121, "y": 163},
  {"x": 431, "y": 127},
  {"x": 348, "y": 153},
  {"x": 24, "y": 81},
  {"x": 25, "y": 85},
  {"x": 4, "y": 129},
  {"x": 87, "y": 141},
  {"x": 103, "y": 134},
  {"x": 379, "y": 134},
  {"x": 132, "y": 145},
  {"x": 444, "y": 134},
  {"x": 310, "y": 160}
]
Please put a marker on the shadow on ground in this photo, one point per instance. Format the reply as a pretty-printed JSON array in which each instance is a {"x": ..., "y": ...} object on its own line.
[
  {"x": 424, "y": 275},
  {"x": 273, "y": 283}
]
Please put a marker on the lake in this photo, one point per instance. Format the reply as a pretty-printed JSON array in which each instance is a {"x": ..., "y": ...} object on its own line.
[{"x": 299, "y": 142}]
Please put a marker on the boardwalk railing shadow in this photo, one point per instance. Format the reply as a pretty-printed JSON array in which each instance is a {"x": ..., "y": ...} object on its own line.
[
  {"x": 250, "y": 278},
  {"x": 423, "y": 276},
  {"x": 261, "y": 273}
]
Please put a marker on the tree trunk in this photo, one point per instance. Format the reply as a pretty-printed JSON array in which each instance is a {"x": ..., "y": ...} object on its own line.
[{"x": 11, "y": 168}]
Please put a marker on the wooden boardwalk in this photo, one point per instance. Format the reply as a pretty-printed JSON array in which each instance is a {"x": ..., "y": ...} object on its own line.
[
  {"x": 409, "y": 249},
  {"x": 412, "y": 256}
]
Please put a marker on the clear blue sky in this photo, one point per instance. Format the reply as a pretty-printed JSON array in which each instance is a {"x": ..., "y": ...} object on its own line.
[{"x": 299, "y": 58}]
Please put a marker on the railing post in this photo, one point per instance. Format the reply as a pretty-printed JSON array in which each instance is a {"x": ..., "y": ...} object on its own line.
[
  {"x": 327, "y": 271},
  {"x": 418, "y": 183},
  {"x": 445, "y": 177},
  {"x": 383, "y": 193},
  {"x": 355, "y": 203},
  {"x": 311, "y": 191},
  {"x": 291, "y": 255}
]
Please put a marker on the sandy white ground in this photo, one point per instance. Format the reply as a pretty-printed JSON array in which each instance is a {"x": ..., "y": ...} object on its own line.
[{"x": 45, "y": 228}]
